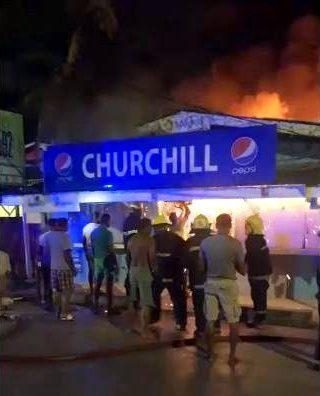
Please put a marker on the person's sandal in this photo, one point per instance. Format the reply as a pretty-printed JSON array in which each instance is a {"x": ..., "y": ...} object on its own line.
[{"x": 68, "y": 318}]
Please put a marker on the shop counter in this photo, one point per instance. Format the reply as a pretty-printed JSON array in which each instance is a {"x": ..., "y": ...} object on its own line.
[{"x": 295, "y": 252}]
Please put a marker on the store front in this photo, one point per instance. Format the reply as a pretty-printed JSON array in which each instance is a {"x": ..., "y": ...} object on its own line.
[{"x": 225, "y": 169}]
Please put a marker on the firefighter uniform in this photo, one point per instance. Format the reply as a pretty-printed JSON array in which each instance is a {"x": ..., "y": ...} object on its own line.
[
  {"x": 170, "y": 251},
  {"x": 197, "y": 275},
  {"x": 259, "y": 266}
]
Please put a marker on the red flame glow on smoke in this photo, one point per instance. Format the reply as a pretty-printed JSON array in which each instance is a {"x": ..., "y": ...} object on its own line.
[{"x": 262, "y": 83}]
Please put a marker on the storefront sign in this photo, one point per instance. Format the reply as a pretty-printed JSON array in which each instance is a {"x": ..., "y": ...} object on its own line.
[
  {"x": 220, "y": 157},
  {"x": 11, "y": 150}
]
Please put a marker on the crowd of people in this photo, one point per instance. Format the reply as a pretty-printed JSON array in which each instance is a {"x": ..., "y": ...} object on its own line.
[{"x": 158, "y": 258}]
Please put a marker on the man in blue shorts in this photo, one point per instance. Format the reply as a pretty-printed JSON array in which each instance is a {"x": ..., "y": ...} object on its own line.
[{"x": 104, "y": 261}]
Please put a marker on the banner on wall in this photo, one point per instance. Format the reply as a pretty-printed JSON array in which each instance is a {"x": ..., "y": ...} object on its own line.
[
  {"x": 220, "y": 157},
  {"x": 53, "y": 203},
  {"x": 11, "y": 150}
]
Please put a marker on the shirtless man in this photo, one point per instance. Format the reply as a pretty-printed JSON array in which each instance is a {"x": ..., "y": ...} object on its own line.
[{"x": 141, "y": 258}]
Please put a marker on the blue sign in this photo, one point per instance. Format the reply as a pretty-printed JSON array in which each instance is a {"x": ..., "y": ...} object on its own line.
[{"x": 220, "y": 157}]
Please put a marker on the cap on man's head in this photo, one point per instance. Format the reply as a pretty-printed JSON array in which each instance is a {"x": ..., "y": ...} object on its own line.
[{"x": 224, "y": 220}]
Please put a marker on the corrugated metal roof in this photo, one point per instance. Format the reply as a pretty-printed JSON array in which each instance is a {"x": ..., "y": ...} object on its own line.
[
  {"x": 298, "y": 157},
  {"x": 184, "y": 121}
]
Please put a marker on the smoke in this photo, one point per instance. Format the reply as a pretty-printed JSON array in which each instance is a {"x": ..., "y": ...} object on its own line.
[
  {"x": 263, "y": 81},
  {"x": 67, "y": 115},
  {"x": 109, "y": 89}
]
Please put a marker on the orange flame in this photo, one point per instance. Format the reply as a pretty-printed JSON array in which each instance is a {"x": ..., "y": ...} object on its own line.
[
  {"x": 263, "y": 105},
  {"x": 262, "y": 83}
]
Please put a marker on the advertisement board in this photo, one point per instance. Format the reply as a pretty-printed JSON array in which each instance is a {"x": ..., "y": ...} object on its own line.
[
  {"x": 219, "y": 157},
  {"x": 11, "y": 150}
]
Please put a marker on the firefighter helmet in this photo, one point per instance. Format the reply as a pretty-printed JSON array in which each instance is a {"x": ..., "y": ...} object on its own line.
[
  {"x": 201, "y": 222},
  {"x": 254, "y": 225},
  {"x": 160, "y": 220}
]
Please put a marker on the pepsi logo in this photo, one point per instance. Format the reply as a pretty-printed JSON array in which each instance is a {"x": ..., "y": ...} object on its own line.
[
  {"x": 63, "y": 164},
  {"x": 244, "y": 151}
]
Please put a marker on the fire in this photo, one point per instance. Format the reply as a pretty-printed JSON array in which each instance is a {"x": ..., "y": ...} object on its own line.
[
  {"x": 263, "y": 105},
  {"x": 261, "y": 81},
  {"x": 293, "y": 95},
  {"x": 224, "y": 97}
]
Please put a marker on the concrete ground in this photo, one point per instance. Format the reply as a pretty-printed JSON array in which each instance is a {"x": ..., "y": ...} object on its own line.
[
  {"x": 39, "y": 334},
  {"x": 139, "y": 367},
  {"x": 172, "y": 372}
]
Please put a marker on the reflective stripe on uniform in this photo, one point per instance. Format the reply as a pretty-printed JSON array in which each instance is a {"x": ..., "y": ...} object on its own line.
[
  {"x": 127, "y": 233},
  {"x": 167, "y": 280},
  {"x": 261, "y": 277},
  {"x": 194, "y": 249},
  {"x": 163, "y": 255},
  {"x": 118, "y": 245}
]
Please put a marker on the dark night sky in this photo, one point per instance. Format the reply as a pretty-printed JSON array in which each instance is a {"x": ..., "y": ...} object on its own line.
[{"x": 167, "y": 40}]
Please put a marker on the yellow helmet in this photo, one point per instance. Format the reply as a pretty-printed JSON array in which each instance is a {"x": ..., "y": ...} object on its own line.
[
  {"x": 201, "y": 222},
  {"x": 254, "y": 225},
  {"x": 160, "y": 220}
]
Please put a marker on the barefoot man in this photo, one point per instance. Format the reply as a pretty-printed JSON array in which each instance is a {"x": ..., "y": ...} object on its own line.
[{"x": 222, "y": 257}]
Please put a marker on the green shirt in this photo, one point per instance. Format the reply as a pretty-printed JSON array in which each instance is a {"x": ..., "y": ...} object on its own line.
[{"x": 102, "y": 242}]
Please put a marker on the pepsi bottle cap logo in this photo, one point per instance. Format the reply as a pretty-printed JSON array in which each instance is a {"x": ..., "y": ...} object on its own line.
[
  {"x": 63, "y": 164},
  {"x": 244, "y": 151}
]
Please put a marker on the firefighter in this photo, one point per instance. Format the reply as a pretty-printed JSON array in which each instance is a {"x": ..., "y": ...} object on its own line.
[
  {"x": 170, "y": 251},
  {"x": 197, "y": 276},
  {"x": 130, "y": 228},
  {"x": 259, "y": 267}
]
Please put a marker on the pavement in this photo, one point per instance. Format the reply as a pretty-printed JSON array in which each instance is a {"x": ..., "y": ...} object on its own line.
[
  {"x": 98, "y": 355},
  {"x": 166, "y": 372},
  {"x": 7, "y": 327},
  {"x": 38, "y": 336}
]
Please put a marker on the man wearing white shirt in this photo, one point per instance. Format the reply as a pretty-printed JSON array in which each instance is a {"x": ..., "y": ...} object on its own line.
[
  {"x": 44, "y": 266},
  {"x": 62, "y": 268},
  {"x": 87, "y": 246}
]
